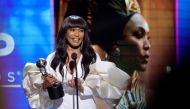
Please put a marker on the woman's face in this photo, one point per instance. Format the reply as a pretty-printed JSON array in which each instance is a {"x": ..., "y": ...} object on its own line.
[
  {"x": 75, "y": 36},
  {"x": 136, "y": 35}
]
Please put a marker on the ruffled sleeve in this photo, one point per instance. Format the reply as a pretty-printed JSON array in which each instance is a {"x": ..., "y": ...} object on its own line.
[
  {"x": 108, "y": 81},
  {"x": 32, "y": 84}
]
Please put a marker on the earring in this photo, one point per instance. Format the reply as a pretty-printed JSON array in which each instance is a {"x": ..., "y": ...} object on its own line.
[{"x": 117, "y": 51}]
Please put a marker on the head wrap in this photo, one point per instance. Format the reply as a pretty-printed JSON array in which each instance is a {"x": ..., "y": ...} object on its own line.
[{"x": 111, "y": 19}]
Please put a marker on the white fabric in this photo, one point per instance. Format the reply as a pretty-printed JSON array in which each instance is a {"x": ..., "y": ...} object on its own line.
[
  {"x": 104, "y": 80},
  {"x": 32, "y": 83},
  {"x": 38, "y": 98},
  {"x": 108, "y": 80}
]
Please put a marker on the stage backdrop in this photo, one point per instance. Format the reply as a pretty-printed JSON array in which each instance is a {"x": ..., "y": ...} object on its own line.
[{"x": 26, "y": 34}]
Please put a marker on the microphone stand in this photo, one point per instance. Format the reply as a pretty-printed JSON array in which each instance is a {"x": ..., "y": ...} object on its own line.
[{"x": 76, "y": 82}]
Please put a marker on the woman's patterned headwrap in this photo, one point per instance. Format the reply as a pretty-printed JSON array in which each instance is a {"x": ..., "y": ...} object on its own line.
[
  {"x": 124, "y": 7},
  {"x": 111, "y": 18}
]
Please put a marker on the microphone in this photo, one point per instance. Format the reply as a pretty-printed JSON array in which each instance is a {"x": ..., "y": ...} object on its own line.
[
  {"x": 74, "y": 57},
  {"x": 55, "y": 91}
]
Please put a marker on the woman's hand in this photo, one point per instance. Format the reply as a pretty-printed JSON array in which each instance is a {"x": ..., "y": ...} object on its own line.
[
  {"x": 49, "y": 80},
  {"x": 71, "y": 83}
]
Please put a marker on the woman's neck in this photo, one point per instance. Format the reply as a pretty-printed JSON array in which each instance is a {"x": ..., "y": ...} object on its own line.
[
  {"x": 131, "y": 71},
  {"x": 141, "y": 75},
  {"x": 71, "y": 50},
  {"x": 69, "y": 60}
]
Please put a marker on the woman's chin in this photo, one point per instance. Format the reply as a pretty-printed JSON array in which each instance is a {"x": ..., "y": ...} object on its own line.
[{"x": 142, "y": 68}]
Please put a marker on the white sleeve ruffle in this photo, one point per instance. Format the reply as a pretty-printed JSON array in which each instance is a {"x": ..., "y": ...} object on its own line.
[
  {"x": 107, "y": 80},
  {"x": 32, "y": 84}
]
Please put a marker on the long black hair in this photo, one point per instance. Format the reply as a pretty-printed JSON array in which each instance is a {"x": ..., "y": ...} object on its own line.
[{"x": 89, "y": 55}]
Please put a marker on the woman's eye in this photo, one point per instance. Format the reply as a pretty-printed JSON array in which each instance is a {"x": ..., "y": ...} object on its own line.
[
  {"x": 81, "y": 30},
  {"x": 138, "y": 34},
  {"x": 71, "y": 29}
]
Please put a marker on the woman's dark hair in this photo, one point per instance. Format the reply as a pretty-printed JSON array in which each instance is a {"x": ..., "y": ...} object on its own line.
[{"x": 89, "y": 55}]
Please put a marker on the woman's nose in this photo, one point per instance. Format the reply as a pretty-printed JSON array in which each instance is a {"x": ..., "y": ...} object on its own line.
[
  {"x": 77, "y": 32},
  {"x": 147, "y": 44}
]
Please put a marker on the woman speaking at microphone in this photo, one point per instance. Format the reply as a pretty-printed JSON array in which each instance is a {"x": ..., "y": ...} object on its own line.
[{"x": 72, "y": 38}]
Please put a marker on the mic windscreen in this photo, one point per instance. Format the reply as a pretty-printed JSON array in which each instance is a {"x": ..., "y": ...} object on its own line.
[
  {"x": 74, "y": 56},
  {"x": 72, "y": 66},
  {"x": 41, "y": 63}
]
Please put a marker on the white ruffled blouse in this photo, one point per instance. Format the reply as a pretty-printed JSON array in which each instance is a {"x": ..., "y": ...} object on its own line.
[{"x": 104, "y": 80}]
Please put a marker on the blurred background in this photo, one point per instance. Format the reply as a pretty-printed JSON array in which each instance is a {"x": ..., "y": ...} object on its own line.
[{"x": 28, "y": 30}]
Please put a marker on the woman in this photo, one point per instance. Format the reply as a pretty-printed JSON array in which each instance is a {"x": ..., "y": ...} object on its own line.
[
  {"x": 131, "y": 53},
  {"x": 72, "y": 38}
]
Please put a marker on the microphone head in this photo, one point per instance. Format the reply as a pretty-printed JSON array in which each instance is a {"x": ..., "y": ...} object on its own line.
[
  {"x": 74, "y": 56},
  {"x": 41, "y": 63}
]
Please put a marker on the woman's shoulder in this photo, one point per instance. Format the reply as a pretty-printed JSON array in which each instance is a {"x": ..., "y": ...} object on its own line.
[{"x": 50, "y": 56}]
